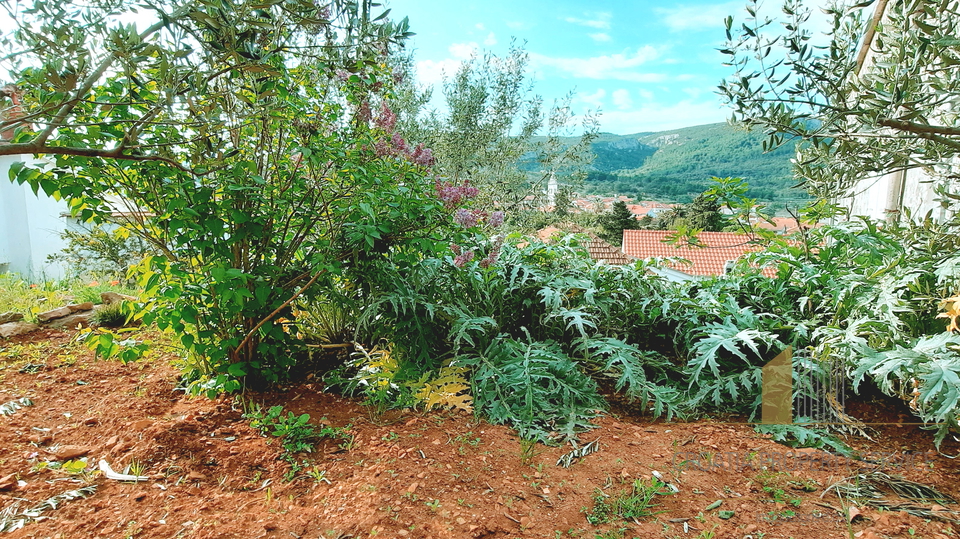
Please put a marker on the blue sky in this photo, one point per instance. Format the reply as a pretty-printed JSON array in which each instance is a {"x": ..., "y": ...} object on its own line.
[{"x": 646, "y": 65}]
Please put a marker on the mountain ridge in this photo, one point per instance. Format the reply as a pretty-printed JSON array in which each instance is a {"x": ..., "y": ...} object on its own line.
[{"x": 677, "y": 164}]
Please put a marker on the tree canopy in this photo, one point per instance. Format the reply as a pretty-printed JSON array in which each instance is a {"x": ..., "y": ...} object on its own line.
[
  {"x": 251, "y": 143},
  {"x": 487, "y": 132},
  {"x": 877, "y": 95}
]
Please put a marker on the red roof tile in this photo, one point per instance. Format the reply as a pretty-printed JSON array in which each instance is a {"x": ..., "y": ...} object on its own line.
[
  {"x": 780, "y": 225},
  {"x": 717, "y": 249},
  {"x": 599, "y": 250}
]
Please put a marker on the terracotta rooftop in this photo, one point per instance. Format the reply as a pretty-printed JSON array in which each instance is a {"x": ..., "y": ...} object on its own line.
[
  {"x": 783, "y": 225},
  {"x": 599, "y": 250},
  {"x": 711, "y": 259}
]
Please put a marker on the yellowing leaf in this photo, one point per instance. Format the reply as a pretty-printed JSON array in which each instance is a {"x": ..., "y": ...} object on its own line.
[
  {"x": 449, "y": 390},
  {"x": 952, "y": 307}
]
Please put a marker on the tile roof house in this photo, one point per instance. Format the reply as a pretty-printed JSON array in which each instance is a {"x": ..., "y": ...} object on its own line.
[
  {"x": 717, "y": 252},
  {"x": 780, "y": 225},
  {"x": 599, "y": 250}
]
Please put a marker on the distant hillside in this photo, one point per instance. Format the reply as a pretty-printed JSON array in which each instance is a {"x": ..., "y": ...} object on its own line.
[{"x": 677, "y": 164}]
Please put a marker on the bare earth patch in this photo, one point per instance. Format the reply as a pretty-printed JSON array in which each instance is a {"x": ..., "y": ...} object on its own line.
[{"x": 419, "y": 475}]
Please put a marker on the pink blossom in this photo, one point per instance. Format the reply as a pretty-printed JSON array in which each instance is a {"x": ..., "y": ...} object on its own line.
[
  {"x": 495, "y": 219},
  {"x": 399, "y": 145},
  {"x": 422, "y": 156},
  {"x": 453, "y": 195},
  {"x": 462, "y": 259},
  {"x": 453, "y": 247},
  {"x": 387, "y": 120},
  {"x": 466, "y": 218},
  {"x": 363, "y": 112}
]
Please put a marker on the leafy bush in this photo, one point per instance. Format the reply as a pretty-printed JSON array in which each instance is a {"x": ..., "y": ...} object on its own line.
[{"x": 535, "y": 388}]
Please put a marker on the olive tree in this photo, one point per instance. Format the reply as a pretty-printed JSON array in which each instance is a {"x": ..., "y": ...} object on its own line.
[
  {"x": 878, "y": 93},
  {"x": 494, "y": 133}
]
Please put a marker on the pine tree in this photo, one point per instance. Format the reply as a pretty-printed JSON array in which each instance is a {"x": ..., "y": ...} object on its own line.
[
  {"x": 704, "y": 214},
  {"x": 618, "y": 219},
  {"x": 562, "y": 202}
]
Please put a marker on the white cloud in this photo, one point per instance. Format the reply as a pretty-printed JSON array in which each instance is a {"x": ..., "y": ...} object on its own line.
[
  {"x": 653, "y": 116},
  {"x": 600, "y": 36},
  {"x": 600, "y": 21},
  {"x": 518, "y": 25},
  {"x": 684, "y": 18},
  {"x": 491, "y": 40},
  {"x": 480, "y": 26},
  {"x": 432, "y": 72},
  {"x": 621, "y": 66},
  {"x": 621, "y": 99},
  {"x": 594, "y": 100},
  {"x": 463, "y": 51}
]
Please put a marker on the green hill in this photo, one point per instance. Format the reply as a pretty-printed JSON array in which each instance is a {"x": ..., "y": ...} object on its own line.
[{"x": 677, "y": 164}]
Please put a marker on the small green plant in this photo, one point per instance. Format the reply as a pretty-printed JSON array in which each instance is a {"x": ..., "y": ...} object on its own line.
[
  {"x": 113, "y": 315},
  {"x": 433, "y": 505},
  {"x": 785, "y": 514},
  {"x": 296, "y": 433},
  {"x": 708, "y": 534},
  {"x": 632, "y": 506},
  {"x": 135, "y": 468},
  {"x": 529, "y": 450},
  {"x": 616, "y": 533}
]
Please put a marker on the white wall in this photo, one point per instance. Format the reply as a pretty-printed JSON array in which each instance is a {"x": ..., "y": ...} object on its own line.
[
  {"x": 30, "y": 227},
  {"x": 872, "y": 196}
]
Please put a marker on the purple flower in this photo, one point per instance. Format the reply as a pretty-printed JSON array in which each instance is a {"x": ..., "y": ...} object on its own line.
[
  {"x": 422, "y": 156},
  {"x": 452, "y": 195},
  {"x": 455, "y": 248},
  {"x": 495, "y": 219},
  {"x": 399, "y": 145},
  {"x": 466, "y": 218},
  {"x": 363, "y": 112},
  {"x": 462, "y": 259},
  {"x": 382, "y": 148},
  {"x": 387, "y": 120}
]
